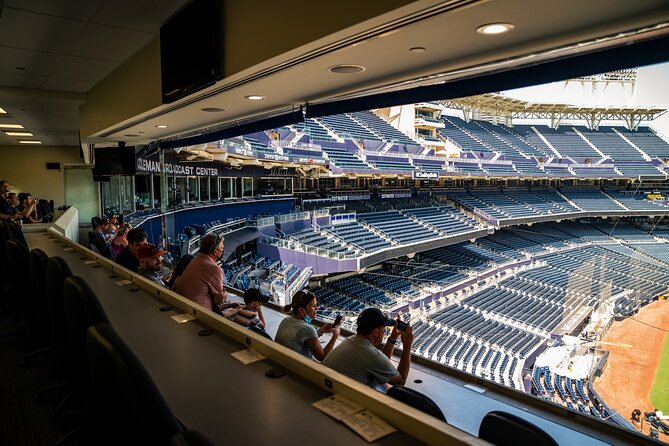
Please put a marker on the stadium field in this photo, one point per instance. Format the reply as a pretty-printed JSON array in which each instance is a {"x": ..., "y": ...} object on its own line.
[
  {"x": 625, "y": 384},
  {"x": 659, "y": 393}
]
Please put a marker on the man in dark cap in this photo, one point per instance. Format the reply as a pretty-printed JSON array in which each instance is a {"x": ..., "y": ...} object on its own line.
[
  {"x": 150, "y": 259},
  {"x": 361, "y": 357}
]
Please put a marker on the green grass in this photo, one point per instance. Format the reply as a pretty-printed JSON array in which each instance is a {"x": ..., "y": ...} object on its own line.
[{"x": 659, "y": 394}]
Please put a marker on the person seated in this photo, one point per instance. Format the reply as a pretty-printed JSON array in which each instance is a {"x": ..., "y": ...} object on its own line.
[
  {"x": 28, "y": 207},
  {"x": 179, "y": 269},
  {"x": 250, "y": 315},
  {"x": 202, "y": 280},
  {"x": 128, "y": 257},
  {"x": 360, "y": 356},
  {"x": 113, "y": 224},
  {"x": 120, "y": 241},
  {"x": 297, "y": 333},
  {"x": 102, "y": 231},
  {"x": 7, "y": 211},
  {"x": 150, "y": 259}
]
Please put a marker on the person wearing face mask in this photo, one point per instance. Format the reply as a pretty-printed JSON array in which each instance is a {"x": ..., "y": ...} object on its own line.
[
  {"x": 202, "y": 280},
  {"x": 366, "y": 359},
  {"x": 297, "y": 333}
]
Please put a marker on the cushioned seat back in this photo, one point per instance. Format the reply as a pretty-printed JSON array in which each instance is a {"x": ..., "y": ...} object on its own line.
[
  {"x": 133, "y": 409},
  {"x": 38, "y": 262},
  {"x": 82, "y": 309},
  {"x": 18, "y": 258},
  {"x": 505, "y": 429},
  {"x": 417, "y": 400},
  {"x": 57, "y": 271}
]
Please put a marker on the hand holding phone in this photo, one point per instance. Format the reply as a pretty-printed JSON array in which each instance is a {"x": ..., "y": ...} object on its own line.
[
  {"x": 337, "y": 320},
  {"x": 401, "y": 326}
]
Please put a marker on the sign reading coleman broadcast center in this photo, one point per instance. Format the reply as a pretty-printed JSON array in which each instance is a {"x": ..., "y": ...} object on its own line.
[{"x": 199, "y": 170}]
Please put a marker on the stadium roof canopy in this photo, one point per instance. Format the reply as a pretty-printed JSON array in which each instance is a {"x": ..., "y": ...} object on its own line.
[{"x": 509, "y": 108}]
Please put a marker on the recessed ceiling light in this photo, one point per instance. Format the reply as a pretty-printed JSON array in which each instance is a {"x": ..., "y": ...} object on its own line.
[
  {"x": 417, "y": 49},
  {"x": 494, "y": 28},
  {"x": 30, "y": 142},
  {"x": 161, "y": 126},
  {"x": 346, "y": 69},
  {"x": 2, "y": 110},
  {"x": 18, "y": 134},
  {"x": 11, "y": 126},
  {"x": 254, "y": 97},
  {"x": 212, "y": 109}
]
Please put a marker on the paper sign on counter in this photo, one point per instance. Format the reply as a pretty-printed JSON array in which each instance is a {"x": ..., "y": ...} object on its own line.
[
  {"x": 368, "y": 426},
  {"x": 337, "y": 407},
  {"x": 247, "y": 356},
  {"x": 123, "y": 282},
  {"x": 183, "y": 317}
]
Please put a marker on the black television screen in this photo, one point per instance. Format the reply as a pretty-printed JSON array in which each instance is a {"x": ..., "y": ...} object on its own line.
[
  {"x": 191, "y": 49},
  {"x": 114, "y": 161}
]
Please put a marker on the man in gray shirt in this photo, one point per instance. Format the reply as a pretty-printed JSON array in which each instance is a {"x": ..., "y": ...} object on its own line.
[{"x": 361, "y": 358}]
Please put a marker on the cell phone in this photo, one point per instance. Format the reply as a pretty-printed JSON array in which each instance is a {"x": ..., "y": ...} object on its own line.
[
  {"x": 337, "y": 320},
  {"x": 401, "y": 325}
]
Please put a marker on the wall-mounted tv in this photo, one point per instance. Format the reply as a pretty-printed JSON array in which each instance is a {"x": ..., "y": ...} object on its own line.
[
  {"x": 114, "y": 161},
  {"x": 191, "y": 49}
]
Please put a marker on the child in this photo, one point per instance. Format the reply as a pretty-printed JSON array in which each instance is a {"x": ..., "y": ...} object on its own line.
[{"x": 250, "y": 315}]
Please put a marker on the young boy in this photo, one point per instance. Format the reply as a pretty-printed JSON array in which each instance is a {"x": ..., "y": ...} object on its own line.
[{"x": 250, "y": 315}]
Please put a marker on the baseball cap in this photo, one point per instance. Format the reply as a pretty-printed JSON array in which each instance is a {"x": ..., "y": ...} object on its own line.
[
  {"x": 370, "y": 318},
  {"x": 149, "y": 250},
  {"x": 254, "y": 295}
]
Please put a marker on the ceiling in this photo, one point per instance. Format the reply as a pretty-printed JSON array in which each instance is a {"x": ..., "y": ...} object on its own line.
[
  {"x": 79, "y": 42},
  {"x": 53, "y": 51}
]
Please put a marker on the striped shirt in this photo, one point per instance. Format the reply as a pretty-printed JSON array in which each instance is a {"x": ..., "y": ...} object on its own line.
[{"x": 248, "y": 317}]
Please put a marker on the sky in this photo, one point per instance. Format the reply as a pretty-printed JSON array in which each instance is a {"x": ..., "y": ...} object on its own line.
[{"x": 651, "y": 89}]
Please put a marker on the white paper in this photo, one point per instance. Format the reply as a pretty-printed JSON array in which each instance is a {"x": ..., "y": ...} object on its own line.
[
  {"x": 337, "y": 407},
  {"x": 90, "y": 262},
  {"x": 368, "y": 426},
  {"x": 123, "y": 282},
  {"x": 68, "y": 249},
  {"x": 247, "y": 356}
]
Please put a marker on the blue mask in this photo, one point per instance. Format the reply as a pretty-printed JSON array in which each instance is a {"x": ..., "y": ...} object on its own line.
[{"x": 307, "y": 319}]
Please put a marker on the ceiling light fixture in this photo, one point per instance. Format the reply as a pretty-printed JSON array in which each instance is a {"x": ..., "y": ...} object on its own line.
[
  {"x": 30, "y": 142},
  {"x": 346, "y": 69},
  {"x": 2, "y": 110},
  {"x": 254, "y": 97},
  {"x": 18, "y": 134},
  {"x": 212, "y": 109},
  {"x": 491, "y": 29},
  {"x": 161, "y": 126},
  {"x": 11, "y": 126},
  {"x": 417, "y": 49}
]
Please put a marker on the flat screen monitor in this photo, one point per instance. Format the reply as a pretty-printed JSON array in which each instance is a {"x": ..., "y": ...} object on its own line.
[
  {"x": 114, "y": 161},
  {"x": 191, "y": 49}
]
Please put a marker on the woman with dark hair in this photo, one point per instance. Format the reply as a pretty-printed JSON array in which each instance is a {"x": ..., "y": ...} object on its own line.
[
  {"x": 179, "y": 268},
  {"x": 296, "y": 331}
]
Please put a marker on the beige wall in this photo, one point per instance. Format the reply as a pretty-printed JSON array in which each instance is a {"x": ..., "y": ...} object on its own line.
[{"x": 25, "y": 168}]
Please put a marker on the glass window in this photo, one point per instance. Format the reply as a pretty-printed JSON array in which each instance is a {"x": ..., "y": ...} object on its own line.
[
  {"x": 247, "y": 187},
  {"x": 213, "y": 188},
  {"x": 193, "y": 189},
  {"x": 180, "y": 191},
  {"x": 204, "y": 189}
]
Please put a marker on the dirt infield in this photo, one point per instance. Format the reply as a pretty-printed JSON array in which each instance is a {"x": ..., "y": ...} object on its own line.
[{"x": 626, "y": 382}]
